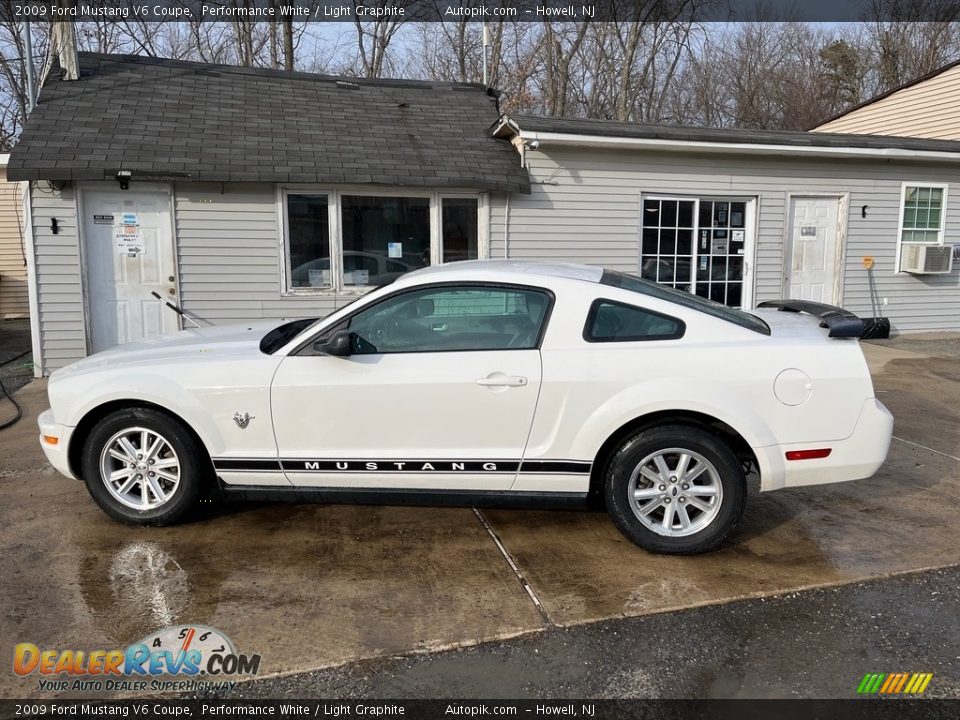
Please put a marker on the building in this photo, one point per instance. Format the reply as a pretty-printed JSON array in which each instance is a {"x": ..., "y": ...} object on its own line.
[
  {"x": 243, "y": 194},
  {"x": 926, "y": 107},
  {"x": 13, "y": 258},
  {"x": 743, "y": 216}
]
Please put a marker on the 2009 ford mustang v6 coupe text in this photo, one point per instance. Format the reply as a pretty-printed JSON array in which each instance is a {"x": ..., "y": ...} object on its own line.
[{"x": 483, "y": 382}]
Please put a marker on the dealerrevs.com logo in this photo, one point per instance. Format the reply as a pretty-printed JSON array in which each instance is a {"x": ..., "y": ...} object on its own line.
[{"x": 181, "y": 652}]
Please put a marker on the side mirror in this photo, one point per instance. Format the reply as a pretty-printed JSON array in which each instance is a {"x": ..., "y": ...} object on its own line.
[{"x": 337, "y": 344}]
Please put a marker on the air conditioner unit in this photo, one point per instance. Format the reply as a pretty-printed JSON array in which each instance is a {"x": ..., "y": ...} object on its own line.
[{"x": 927, "y": 259}]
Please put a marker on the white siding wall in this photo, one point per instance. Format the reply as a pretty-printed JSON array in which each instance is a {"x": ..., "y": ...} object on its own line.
[
  {"x": 927, "y": 109},
  {"x": 585, "y": 208},
  {"x": 13, "y": 272},
  {"x": 59, "y": 282}
]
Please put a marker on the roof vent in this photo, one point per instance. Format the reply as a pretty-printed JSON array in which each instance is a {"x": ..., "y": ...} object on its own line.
[{"x": 346, "y": 85}]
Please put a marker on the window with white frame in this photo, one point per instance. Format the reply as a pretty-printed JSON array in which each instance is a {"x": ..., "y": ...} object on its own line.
[
  {"x": 922, "y": 214},
  {"x": 343, "y": 239}
]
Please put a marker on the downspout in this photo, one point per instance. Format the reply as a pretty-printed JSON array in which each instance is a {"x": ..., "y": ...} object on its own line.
[
  {"x": 31, "y": 80},
  {"x": 32, "y": 293},
  {"x": 506, "y": 229}
]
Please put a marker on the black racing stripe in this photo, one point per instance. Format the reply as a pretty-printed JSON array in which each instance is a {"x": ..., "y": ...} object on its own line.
[
  {"x": 575, "y": 467},
  {"x": 546, "y": 467},
  {"x": 400, "y": 466},
  {"x": 240, "y": 464}
]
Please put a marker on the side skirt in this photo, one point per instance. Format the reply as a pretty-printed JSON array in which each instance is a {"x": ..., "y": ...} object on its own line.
[{"x": 376, "y": 496}]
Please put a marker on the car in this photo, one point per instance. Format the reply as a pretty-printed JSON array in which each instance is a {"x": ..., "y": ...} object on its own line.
[
  {"x": 483, "y": 383},
  {"x": 360, "y": 268}
]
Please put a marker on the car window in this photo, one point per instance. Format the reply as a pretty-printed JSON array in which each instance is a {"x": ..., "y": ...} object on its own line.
[
  {"x": 452, "y": 318},
  {"x": 610, "y": 321},
  {"x": 687, "y": 300}
]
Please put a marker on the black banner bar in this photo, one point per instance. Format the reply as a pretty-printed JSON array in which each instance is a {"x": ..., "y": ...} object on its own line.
[
  {"x": 483, "y": 10},
  {"x": 854, "y": 709}
]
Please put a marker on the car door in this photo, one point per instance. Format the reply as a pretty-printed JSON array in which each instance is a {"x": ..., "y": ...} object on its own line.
[{"x": 438, "y": 391}]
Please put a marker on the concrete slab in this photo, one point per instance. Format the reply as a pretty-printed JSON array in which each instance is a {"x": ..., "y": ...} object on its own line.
[
  {"x": 924, "y": 395},
  {"x": 905, "y": 518},
  {"x": 304, "y": 585}
]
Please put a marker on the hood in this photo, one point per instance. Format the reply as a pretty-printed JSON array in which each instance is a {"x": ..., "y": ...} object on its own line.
[{"x": 219, "y": 340}]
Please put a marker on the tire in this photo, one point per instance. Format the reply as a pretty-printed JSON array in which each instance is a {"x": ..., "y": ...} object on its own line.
[
  {"x": 711, "y": 501},
  {"x": 180, "y": 467}
]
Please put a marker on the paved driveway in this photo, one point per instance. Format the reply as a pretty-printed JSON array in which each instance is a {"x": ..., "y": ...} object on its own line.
[{"x": 309, "y": 586}]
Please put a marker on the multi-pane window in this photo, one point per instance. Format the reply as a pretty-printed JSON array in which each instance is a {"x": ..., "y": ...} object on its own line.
[
  {"x": 722, "y": 237},
  {"x": 922, "y": 214},
  {"x": 695, "y": 245},
  {"x": 380, "y": 236}
]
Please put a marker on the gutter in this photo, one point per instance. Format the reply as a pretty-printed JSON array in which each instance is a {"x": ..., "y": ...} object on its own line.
[{"x": 506, "y": 127}]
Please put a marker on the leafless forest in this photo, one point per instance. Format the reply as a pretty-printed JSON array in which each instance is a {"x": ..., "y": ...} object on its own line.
[{"x": 655, "y": 68}]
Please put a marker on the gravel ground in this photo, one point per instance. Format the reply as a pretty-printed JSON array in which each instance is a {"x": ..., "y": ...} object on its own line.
[{"x": 811, "y": 644}]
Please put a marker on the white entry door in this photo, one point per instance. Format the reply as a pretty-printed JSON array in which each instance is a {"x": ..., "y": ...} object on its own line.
[
  {"x": 129, "y": 253},
  {"x": 813, "y": 249}
]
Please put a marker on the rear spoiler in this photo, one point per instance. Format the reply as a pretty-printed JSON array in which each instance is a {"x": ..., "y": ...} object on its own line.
[{"x": 841, "y": 323}]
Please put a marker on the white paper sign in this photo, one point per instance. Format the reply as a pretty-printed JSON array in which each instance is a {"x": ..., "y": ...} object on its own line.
[
  {"x": 738, "y": 235},
  {"x": 318, "y": 278},
  {"x": 128, "y": 239},
  {"x": 357, "y": 277},
  {"x": 395, "y": 250}
]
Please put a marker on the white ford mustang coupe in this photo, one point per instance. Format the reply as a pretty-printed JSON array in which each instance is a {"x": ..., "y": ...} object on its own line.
[{"x": 483, "y": 382}]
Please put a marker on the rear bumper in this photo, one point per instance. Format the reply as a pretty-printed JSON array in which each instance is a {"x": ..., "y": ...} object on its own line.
[
  {"x": 856, "y": 457},
  {"x": 56, "y": 453}
]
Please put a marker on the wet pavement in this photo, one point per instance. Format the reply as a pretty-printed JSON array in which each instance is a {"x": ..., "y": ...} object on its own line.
[
  {"x": 812, "y": 644},
  {"x": 311, "y": 586}
]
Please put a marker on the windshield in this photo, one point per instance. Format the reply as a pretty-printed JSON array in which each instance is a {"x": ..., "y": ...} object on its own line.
[{"x": 688, "y": 300}]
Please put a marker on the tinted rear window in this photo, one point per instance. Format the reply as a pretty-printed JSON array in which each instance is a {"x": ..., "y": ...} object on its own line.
[{"x": 687, "y": 300}]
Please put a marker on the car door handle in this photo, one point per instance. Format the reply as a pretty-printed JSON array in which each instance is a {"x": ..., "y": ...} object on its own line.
[{"x": 499, "y": 379}]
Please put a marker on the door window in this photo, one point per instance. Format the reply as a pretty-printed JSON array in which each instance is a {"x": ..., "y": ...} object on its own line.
[
  {"x": 456, "y": 318},
  {"x": 695, "y": 245}
]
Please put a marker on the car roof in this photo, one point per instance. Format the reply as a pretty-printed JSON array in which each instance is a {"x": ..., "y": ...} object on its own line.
[{"x": 488, "y": 270}]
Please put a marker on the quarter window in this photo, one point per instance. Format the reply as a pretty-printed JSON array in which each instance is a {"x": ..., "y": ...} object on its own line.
[
  {"x": 456, "y": 318},
  {"x": 610, "y": 321},
  {"x": 922, "y": 217}
]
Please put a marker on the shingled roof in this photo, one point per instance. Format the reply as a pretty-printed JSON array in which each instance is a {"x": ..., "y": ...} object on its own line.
[{"x": 192, "y": 121}]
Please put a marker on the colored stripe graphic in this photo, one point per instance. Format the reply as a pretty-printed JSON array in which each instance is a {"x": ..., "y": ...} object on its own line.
[{"x": 894, "y": 683}]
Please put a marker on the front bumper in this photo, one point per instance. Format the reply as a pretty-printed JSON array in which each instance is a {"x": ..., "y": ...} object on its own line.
[
  {"x": 56, "y": 452},
  {"x": 856, "y": 457}
]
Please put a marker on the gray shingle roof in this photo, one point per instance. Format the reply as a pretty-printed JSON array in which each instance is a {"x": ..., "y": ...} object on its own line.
[
  {"x": 180, "y": 120},
  {"x": 610, "y": 128}
]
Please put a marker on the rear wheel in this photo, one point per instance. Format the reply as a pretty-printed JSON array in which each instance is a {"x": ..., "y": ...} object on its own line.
[
  {"x": 675, "y": 489},
  {"x": 143, "y": 467}
]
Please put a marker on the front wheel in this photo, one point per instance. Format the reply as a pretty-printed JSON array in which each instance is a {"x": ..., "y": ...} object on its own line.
[
  {"x": 143, "y": 467},
  {"x": 675, "y": 489}
]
